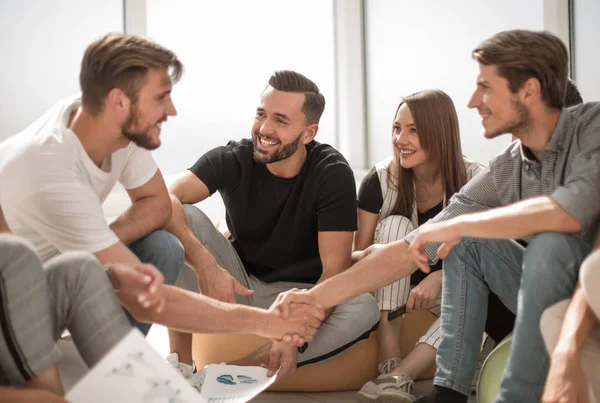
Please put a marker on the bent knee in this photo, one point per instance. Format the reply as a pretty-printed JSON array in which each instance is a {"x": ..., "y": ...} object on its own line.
[
  {"x": 75, "y": 269},
  {"x": 17, "y": 254},
  {"x": 392, "y": 228},
  {"x": 363, "y": 311}
]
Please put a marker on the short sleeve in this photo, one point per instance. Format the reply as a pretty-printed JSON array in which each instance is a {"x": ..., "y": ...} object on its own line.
[
  {"x": 370, "y": 197},
  {"x": 139, "y": 168},
  {"x": 68, "y": 216},
  {"x": 336, "y": 199},
  {"x": 218, "y": 169}
]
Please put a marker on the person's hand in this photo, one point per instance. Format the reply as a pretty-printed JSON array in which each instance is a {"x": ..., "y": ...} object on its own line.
[
  {"x": 566, "y": 381},
  {"x": 273, "y": 357},
  {"x": 361, "y": 254},
  {"x": 36, "y": 396},
  {"x": 143, "y": 282},
  {"x": 299, "y": 327},
  {"x": 294, "y": 296},
  {"x": 446, "y": 232},
  {"x": 425, "y": 294},
  {"x": 219, "y": 284}
]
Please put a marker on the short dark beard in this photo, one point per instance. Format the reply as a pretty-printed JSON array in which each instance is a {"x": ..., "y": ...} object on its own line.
[
  {"x": 282, "y": 153},
  {"x": 521, "y": 121},
  {"x": 139, "y": 137}
]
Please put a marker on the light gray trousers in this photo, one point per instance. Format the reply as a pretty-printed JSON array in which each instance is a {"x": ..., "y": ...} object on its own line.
[
  {"x": 348, "y": 324},
  {"x": 37, "y": 304}
]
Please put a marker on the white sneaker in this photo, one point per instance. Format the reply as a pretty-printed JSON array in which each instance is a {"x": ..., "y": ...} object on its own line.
[
  {"x": 197, "y": 379},
  {"x": 388, "y": 365},
  {"x": 186, "y": 370}
]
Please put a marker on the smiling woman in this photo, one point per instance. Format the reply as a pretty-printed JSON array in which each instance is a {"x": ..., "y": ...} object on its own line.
[{"x": 399, "y": 194}]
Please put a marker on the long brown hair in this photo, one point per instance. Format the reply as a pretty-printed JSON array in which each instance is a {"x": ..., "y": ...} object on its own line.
[{"x": 437, "y": 128}]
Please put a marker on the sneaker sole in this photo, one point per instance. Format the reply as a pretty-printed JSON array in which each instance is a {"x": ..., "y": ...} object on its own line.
[
  {"x": 362, "y": 397},
  {"x": 396, "y": 398}
]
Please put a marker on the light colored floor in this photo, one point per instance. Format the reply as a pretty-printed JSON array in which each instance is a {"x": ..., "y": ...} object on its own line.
[{"x": 158, "y": 338}]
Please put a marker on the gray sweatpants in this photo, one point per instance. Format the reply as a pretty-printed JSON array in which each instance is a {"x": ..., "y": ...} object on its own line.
[
  {"x": 348, "y": 324},
  {"x": 37, "y": 304}
]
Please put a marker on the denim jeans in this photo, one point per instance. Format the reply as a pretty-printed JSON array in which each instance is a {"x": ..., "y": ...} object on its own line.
[
  {"x": 164, "y": 251},
  {"x": 527, "y": 281}
]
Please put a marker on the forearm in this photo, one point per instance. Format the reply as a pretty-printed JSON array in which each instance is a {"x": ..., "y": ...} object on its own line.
[
  {"x": 519, "y": 220},
  {"x": 382, "y": 267},
  {"x": 141, "y": 218},
  {"x": 198, "y": 257},
  {"x": 195, "y": 313},
  {"x": 577, "y": 325}
]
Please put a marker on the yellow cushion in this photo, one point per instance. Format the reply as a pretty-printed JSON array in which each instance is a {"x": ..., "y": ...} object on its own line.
[{"x": 346, "y": 371}]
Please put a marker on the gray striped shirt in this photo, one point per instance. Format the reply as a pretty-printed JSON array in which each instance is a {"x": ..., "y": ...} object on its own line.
[{"x": 568, "y": 172}]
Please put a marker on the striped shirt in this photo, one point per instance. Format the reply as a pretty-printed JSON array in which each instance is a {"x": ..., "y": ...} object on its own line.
[{"x": 568, "y": 172}]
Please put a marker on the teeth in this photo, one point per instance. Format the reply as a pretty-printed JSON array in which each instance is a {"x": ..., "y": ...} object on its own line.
[
  {"x": 266, "y": 142},
  {"x": 405, "y": 152}
]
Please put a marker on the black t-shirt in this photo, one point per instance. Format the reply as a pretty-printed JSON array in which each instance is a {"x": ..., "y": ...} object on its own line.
[
  {"x": 274, "y": 222},
  {"x": 370, "y": 198}
]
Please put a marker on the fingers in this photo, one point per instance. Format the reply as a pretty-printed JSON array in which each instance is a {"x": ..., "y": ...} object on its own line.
[
  {"x": 410, "y": 304},
  {"x": 149, "y": 280},
  {"x": 444, "y": 250},
  {"x": 274, "y": 361},
  {"x": 151, "y": 272},
  {"x": 240, "y": 289}
]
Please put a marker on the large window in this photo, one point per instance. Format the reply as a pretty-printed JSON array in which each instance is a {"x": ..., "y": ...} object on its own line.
[
  {"x": 587, "y": 48},
  {"x": 416, "y": 45},
  {"x": 229, "y": 49},
  {"x": 42, "y": 46}
]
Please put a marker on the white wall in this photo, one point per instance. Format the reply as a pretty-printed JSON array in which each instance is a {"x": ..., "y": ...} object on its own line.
[
  {"x": 229, "y": 49},
  {"x": 41, "y": 47},
  {"x": 587, "y": 48},
  {"x": 416, "y": 45}
]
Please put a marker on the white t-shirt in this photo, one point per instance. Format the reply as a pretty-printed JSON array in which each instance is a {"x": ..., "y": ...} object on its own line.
[{"x": 51, "y": 192}]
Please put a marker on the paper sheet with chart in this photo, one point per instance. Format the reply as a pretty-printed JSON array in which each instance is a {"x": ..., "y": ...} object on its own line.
[{"x": 134, "y": 372}]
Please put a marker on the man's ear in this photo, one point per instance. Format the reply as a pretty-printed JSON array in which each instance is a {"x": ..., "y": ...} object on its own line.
[
  {"x": 531, "y": 90},
  {"x": 309, "y": 133},
  {"x": 117, "y": 101}
]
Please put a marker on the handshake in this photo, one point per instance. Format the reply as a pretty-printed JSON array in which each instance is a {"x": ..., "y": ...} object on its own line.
[{"x": 295, "y": 317}]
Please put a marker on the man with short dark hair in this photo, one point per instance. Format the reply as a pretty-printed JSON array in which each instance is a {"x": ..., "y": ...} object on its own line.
[
  {"x": 55, "y": 175},
  {"x": 291, "y": 209}
]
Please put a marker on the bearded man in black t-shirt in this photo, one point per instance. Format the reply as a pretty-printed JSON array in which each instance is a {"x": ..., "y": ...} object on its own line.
[{"x": 291, "y": 209}]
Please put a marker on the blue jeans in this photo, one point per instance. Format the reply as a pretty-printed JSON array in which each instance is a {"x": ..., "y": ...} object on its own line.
[
  {"x": 164, "y": 251},
  {"x": 527, "y": 281}
]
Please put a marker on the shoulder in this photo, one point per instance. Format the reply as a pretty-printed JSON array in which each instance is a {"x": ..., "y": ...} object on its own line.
[
  {"x": 324, "y": 158},
  {"x": 472, "y": 167},
  {"x": 508, "y": 156},
  {"x": 583, "y": 119}
]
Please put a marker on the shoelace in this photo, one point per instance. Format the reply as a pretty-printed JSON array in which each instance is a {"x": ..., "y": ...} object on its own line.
[{"x": 388, "y": 365}]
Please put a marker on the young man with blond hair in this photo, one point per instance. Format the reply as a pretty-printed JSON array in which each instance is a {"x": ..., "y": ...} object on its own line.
[{"x": 55, "y": 175}]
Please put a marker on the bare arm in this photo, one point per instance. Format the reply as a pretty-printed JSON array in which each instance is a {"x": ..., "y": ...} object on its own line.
[
  {"x": 363, "y": 237},
  {"x": 520, "y": 220},
  {"x": 188, "y": 188},
  {"x": 150, "y": 210},
  {"x": 213, "y": 280},
  {"x": 385, "y": 265},
  {"x": 577, "y": 326},
  {"x": 335, "y": 248},
  {"x": 515, "y": 221}
]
